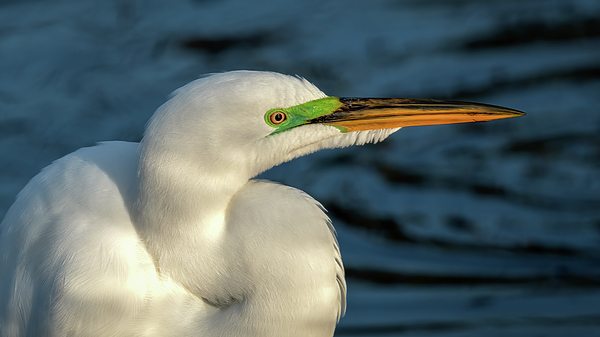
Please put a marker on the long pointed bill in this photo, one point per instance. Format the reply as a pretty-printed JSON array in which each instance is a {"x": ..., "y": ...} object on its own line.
[{"x": 359, "y": 114}]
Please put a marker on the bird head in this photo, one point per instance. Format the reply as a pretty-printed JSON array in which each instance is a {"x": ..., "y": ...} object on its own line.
[{"x": 250, "y": 120}]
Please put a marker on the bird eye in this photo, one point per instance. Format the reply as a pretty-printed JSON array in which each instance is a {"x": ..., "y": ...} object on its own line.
[{"x": 277, "y": 117}]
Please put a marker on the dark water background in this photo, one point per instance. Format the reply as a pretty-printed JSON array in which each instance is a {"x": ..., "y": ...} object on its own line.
[{"x": 489, "y": 229}]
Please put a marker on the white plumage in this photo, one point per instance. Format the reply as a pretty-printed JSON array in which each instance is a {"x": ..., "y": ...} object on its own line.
[
  {"x": 188, "y": 247},
  {"x": 172, "y": 237}
]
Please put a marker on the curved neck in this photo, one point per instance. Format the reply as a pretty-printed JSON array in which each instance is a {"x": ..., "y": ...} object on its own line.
[
  {"x": 200, "y": 226},
  {"x": 179, "y": 213}
]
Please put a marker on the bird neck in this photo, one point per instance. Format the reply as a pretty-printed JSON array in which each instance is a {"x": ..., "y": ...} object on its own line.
[
  {"x": 179, "y": 213},
  {"x": 182, "y": 194},
  {"x": 240, "y": 245}
]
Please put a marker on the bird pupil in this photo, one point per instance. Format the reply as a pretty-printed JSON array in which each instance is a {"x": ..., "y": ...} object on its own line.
[{"x": 277, "y": 117}]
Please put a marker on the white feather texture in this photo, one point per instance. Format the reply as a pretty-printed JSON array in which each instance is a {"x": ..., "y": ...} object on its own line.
[{"x": 171, "y": 237}]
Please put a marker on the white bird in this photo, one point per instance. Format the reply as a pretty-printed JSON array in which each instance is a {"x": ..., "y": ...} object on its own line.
[{"x": 173, "y": 237}]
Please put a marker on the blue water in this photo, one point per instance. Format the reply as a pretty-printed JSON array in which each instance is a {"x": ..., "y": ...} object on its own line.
[{"x": 467, "y": 230}]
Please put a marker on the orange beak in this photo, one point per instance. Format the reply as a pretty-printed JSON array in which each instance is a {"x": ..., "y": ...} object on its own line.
[{"x": 359, "y": 114}]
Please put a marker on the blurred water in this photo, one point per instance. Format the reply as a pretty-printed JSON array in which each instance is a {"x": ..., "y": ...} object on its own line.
[{"x": 468, "y": 230}]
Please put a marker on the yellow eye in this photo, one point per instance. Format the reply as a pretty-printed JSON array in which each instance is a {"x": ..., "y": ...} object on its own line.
[{"x": 277, "y": 117}]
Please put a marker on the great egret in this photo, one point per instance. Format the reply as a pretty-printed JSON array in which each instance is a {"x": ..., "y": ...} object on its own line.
[{"x": 172, "y": 237}]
